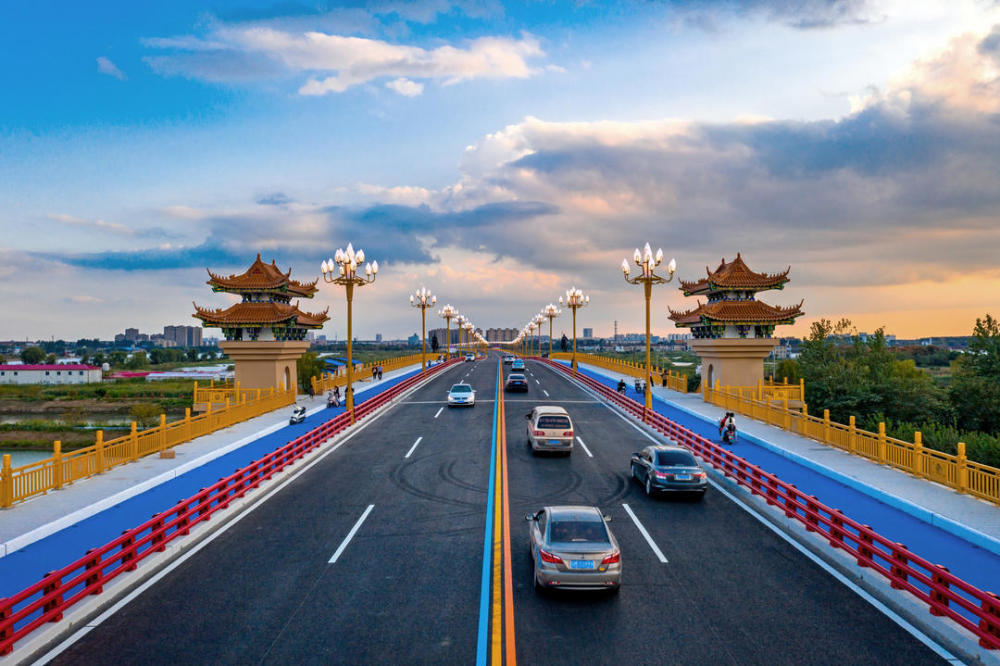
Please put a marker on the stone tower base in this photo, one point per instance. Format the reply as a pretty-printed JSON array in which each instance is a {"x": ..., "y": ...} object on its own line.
[
  {"x": 265, "y": 364},
  {"x": 732, "y": 361}
]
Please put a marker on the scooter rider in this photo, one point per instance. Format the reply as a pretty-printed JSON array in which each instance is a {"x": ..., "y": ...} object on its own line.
[{"x": 622, "y": 386}]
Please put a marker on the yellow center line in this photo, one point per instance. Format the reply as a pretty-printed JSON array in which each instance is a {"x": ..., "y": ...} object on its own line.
[{"x": 508, "y": 590}]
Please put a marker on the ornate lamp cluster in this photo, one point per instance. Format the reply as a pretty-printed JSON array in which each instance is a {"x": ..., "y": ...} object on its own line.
[
  {"x": 448, "y": 313},
  {"x": 647, "y": 262},
  {"x": 342, "y": 269},
  {"x": 423, "y": 299},
  {"x": 574, "y": 300}
]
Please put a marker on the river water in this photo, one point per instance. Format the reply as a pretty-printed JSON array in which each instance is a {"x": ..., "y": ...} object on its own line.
[{"x": 20, "y": 457}]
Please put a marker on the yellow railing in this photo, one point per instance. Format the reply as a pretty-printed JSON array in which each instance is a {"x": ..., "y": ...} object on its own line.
[
  {"x": 19, "y": 483},
  {"x": 674, "y": 380},
  {"x": 219, "y": 393},
  {"x": 364, "y": 371},
  {"x": 954, "y": 471}
]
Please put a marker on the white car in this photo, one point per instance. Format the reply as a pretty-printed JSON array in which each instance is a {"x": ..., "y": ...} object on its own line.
[{"x": 461, "y": 395}]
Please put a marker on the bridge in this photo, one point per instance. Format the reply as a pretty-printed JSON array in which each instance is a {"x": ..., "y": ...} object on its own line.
[{"x": 401, "y": 538}]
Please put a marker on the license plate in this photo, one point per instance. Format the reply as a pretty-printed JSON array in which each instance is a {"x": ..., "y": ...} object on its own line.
[
  {"x": 683, "y": 477},
  {"x": 555, "y": 442},
  {"x": 582, "y": 564}
]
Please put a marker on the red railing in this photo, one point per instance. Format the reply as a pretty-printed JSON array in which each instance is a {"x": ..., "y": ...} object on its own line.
[
  {"x": 49, "y": 598},
  {"x": 945, "y": 594}
]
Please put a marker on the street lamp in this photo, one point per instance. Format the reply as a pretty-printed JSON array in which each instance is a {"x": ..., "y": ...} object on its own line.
[
  {"x": 538, "y": 325},
  {"x": 575, "y": 300},
  {"x": 469, "y": 329},
  {"x": 531, "y": 336},
  {"x": 343, "y": 270},
  {"x": 551, "y": 311},
  {"x": 460, "y": 325},
  {"x": 646, "y": 262},
  {"x": 423, "y": 299},
  {"x": 448, "y": 313}
]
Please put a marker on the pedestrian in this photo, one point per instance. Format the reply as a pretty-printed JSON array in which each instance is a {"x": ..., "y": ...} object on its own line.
[
  {"x": 380, "y": 372},
  {"x": 374, "y": 372},
  {"x": 312, "y": 391}
]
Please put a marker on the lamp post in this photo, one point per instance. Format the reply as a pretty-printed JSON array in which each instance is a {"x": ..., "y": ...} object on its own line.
[
  {"x": 460, "y": 325},
  {"x": 447, "y": 313},
  {"x": 646, "y": 262},
  {"x": 575, "y": 299},
  {"x": 423, "y": 299},
  {"x": 531, "y": 336},
  {"x": 343, "y": 270},
  {"x": 551, "y": 311},
  {"x": 538, "y": 326},
  {"x": 469, "y": 330}
]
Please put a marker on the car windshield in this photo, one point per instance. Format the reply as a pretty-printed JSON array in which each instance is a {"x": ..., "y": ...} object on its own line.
[
  {"x": 545, "y": 422},
  {"x": 516, "y": 378},
  {"x": 461, "y": 388},
  {"x": 576, "y": 531},
  {"x": 675, "y": 459}
]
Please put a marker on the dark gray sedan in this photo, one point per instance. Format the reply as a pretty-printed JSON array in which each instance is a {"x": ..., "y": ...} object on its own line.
[
  {"x": 668, "y": 469},
  {"x": 572, "y": 547}
]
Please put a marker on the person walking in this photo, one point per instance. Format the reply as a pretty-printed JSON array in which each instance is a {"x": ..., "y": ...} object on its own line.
[
  {"x": 312, "y": 391},
  {"x": 380, "y": 373}
]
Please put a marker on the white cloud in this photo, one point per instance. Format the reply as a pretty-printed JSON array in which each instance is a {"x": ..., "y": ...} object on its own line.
[
  {"x": 105, "y": 66},
  {"x": 405, "y": 87},
  {"x": 74, "y": 221},
  {"x": 346, "y": 61}
]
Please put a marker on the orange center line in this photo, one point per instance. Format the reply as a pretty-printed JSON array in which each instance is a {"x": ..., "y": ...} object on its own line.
[{"x": 508, "y": 590}]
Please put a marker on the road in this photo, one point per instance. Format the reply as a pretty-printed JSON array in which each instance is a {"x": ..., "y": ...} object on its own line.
[{"x": 408, "y": 533}]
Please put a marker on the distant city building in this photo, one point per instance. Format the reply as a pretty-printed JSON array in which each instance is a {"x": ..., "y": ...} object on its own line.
[
  {"x": 500, "y": 334},
  {"x": 378, "y": 337},
  {"x": 183, "y": 336},
  {"x": 413, "y": 340},
  {"x": 588, "y": 332},
  {"x": 131, "y": 334},
  {"x": 49, "y": 374}
]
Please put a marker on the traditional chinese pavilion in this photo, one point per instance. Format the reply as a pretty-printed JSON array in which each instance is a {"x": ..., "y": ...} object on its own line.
[
  {"x": 732, "y": 330},
  {"x": 265, "y": 332}
]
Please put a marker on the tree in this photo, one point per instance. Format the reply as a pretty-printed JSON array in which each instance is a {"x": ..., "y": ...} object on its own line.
[
  {"x": 117, "y": 357},
  {"x": 309, "y": 365},
  {"x": 434, "y": 343},
  {"x": 145, "y": 414},
  {"x": 32, "y": 355},
  {"x": 787, "y": 369},
  {"x": 975, "y": 387},
  {"x": 192, "y": 354},
  {"x": 138, "y": 361},
  {"x": 50, "y": 359},
  {"x": 564, "y": 343}
]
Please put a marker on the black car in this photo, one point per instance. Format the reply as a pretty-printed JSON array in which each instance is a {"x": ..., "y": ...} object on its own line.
[
  {"x": 516, "y": 382},
  {"x": 668, "y": 469}
]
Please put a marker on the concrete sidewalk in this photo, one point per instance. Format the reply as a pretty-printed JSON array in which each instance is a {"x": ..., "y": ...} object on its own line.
[
  {"x": 39, "y": 517},
  {"x": 967, "y": 517}
]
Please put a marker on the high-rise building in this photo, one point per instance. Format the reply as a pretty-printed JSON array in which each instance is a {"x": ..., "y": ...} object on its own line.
[
  {"x": 378, "y": 337},
  {"x": 500, "y": 334},
  {"x": 131, "y": 334},
  {"x": 588, "y": 332},
  {"x": 183, "y": 336}
]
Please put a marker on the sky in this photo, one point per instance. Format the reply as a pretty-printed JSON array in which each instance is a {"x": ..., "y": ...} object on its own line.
[{"x": 499, "y": 154}]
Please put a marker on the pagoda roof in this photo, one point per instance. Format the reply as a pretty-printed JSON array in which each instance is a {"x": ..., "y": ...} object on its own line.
[
  {"x": 262, "y": 277},
  {"x": 734, "y": 275},
  {"x": 261, "y": 314},
  {"x": 737, "y": 312}
]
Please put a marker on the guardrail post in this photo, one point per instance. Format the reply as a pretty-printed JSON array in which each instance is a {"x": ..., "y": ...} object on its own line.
[
  {"x": 812, "y": 515},
  {"x": 163, "y": 431},
  {"x": 963, "y": 468},
  {"x": 803, "y": 428},
  {"x": 826, "y": 426},
  {"x": 93, "y": 564},
  {"x": 786, "y": 412},
  {"x": 918, "y": 453},
  {"x": 897, "y": 569},
  {"x": 128, "y": 552},
  {"x": 187, "y": 424},
  {"x": 881, "y": 442},
  {"x": 991, "y": 608},
  {"x": 157, "y": 540},
  {"x": 837, "y": 529},
  {"x": 56, "y": 601},
  {"x": 866, "y": 547},
  {"x": 133, "y": 442},
  {"x": 6, "y": 486},
  {"x": 852, "y": 435},
  {"x": 938, "y": 598},
  {"x": 57, "y": 467},
  {"x": 6, "y": 630},
  {"x": 802, "y": 390},
  {"x": 99, "y": 451}
]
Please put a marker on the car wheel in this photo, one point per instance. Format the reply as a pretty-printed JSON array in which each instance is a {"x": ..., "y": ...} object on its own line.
[
  {"x": 649, "y": 486},
  {"x": 614, "y": 590}
]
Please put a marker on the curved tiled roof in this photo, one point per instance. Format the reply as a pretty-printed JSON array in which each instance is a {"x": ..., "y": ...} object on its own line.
[
  {"x": 737, "y": 312},
  {"x": 734, "y": 275},
  {"x": 262, "y": 277},
  {"x": 261, "y": 314}
]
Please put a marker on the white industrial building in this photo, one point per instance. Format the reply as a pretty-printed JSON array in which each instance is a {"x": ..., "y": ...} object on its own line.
[{"x": 65, "y": 373}]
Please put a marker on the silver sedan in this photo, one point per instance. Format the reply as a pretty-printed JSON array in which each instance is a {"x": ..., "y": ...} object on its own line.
[{"x": 572, "y": 547}]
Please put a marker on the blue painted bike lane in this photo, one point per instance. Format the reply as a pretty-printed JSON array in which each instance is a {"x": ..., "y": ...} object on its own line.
[
  {"x": 966, "y": 560},
  {"x": 23, "y": 567}
]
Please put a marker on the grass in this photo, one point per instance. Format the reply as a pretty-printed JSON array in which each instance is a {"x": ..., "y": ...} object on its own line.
[{"x": 173, "y": 392}]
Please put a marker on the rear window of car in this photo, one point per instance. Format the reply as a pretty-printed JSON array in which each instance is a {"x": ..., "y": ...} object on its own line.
[
  {"x": 461, "y": 388},
  {"x": 546, "y": 422},
  {"x": 575, "y": 531},
  {"x": 517, "y": 378},
  {"x": 675, "y": 459}
]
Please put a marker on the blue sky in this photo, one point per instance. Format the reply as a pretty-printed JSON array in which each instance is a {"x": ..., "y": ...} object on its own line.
[{"x": 499, "y": 154}]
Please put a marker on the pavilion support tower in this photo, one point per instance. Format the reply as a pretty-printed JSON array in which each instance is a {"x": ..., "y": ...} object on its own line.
[
  {"x": 733, "y": 332},
  {"x": 265, "y": 332}
]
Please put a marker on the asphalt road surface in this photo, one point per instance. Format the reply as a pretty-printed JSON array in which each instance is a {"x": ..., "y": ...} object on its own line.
[{"x": 406, "y": 587}]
